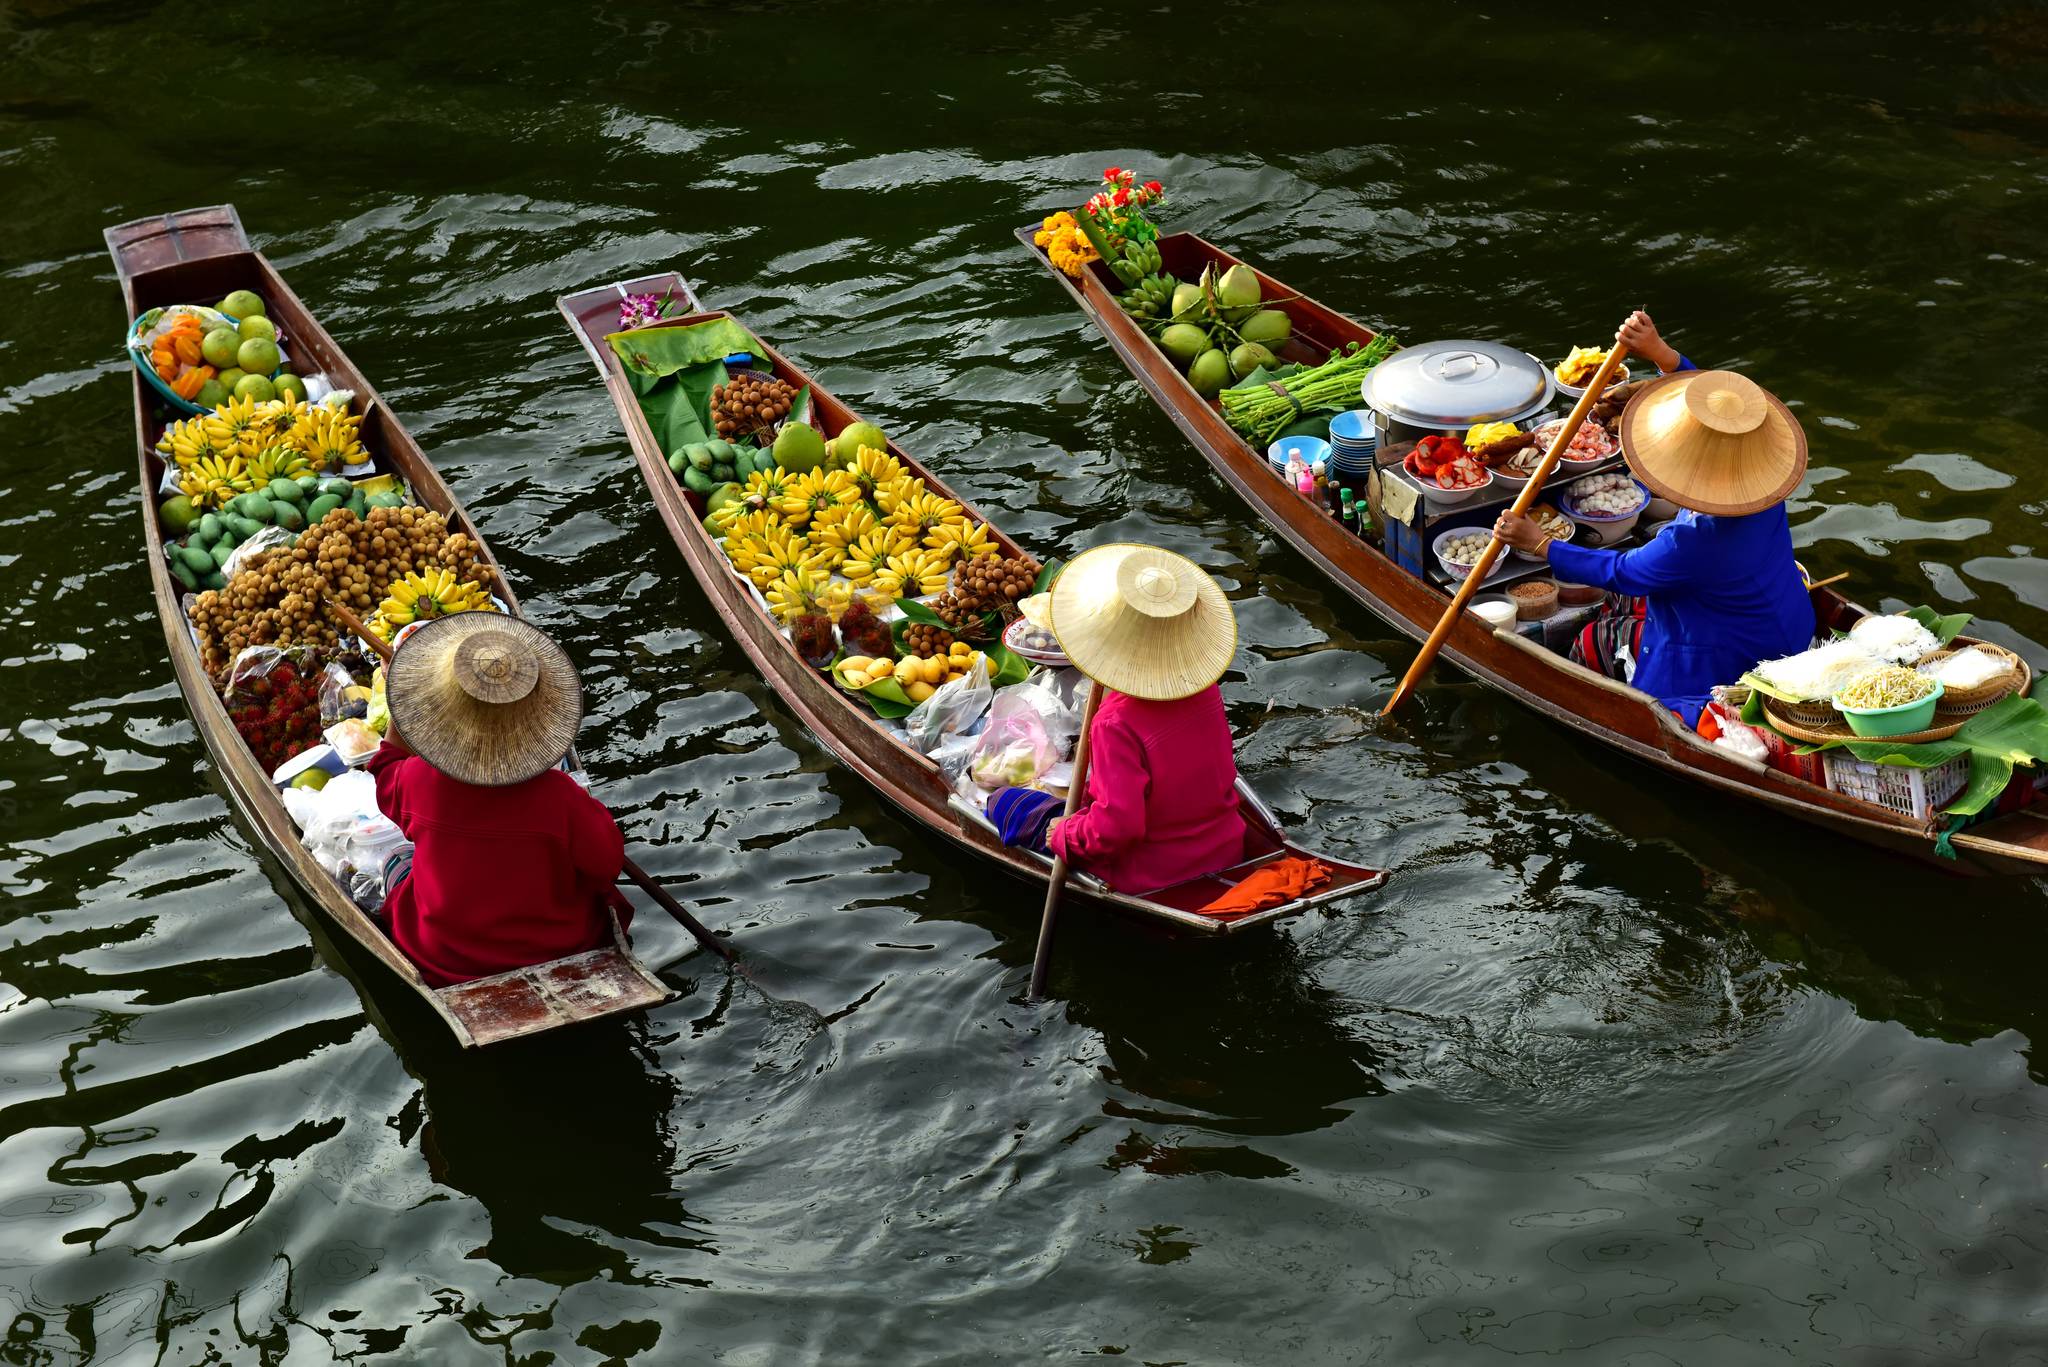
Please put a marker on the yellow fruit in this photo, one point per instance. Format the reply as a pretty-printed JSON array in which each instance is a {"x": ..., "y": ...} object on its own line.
[
  {"x": 892, "y": 494},
  {"x": 855, "y": 664},
  {"x": 918, "y": 692},
  {"x": 906, "y": 670},
  {"x": 327, "y": 438},
  {"x": 814, "y": 492}
]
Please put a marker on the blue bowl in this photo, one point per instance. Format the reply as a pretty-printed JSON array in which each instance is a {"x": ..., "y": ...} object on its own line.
[
  {"x": 1354, "y": 426},
  {"x": 1311, "y": 449}
]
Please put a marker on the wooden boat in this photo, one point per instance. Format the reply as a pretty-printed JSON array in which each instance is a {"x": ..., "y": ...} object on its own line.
[
  {"x": 847, "y": 727},
  {"x": 197, "y": 256},
  {"x": 1602, "y": 709}
]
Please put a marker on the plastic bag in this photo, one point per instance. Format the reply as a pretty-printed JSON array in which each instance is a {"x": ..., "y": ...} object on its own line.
[
  {"x": 348, "y": 836},
  {"x": 269, "y": 539},
  {"x": 341, "y": 696},
  {"x": 956, "y": 709},
  {"x": 1016, "y": 747},
  {"x": 1060, "y": 696},
  {"x": 273, "y": 698}
]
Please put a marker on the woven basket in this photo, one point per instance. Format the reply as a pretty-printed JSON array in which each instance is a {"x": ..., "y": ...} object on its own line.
[
  {"x": 1816, "y": 712},
  {"x": 1958, "y": 702}
]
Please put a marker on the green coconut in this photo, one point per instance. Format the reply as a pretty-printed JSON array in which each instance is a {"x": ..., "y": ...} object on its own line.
[
  {"x": 1186, "y": 295},
  {"x": 798, "y": 448},
  {"x": 1248, "y": 358},
  {"x": 1237, "y": 294},
  {"x": 1209, "y": 371},
  {"x": 1267, "y": 327},
  {"x": 1183, "y": 342}
]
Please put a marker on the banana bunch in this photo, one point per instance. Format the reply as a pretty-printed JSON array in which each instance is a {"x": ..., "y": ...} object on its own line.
[
  {"x": 744, "y": 515},
  {"x": 912, "y": 574},
  {"x": 920, "y": 516},
  {"x": 276, "y": 461},
  {"x": 801, "y": 591},
  {"x": 236, "y": 427},
  {"x": 1139, "y": 260},
  {"x": 327, "y": 438},
  {"x": 211, "y": 481},
  {"x": 421, "y": 595},
  {"x": 968, "y": 542},
  {"x": 839, "y": 526},
  {"x": 893, "y": 494},
  {"x": 185, "y": 444},
  {"x": 868, "y": 557},
  {"x": 768, "y": 485},
  {"x": 815, "y": 492},
  {"x": 871, "y": 469},
  {"x": 1149, "y": 298}
]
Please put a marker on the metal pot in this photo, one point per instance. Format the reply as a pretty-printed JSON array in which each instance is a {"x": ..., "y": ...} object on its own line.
[{"x": 1448, "y": 387}]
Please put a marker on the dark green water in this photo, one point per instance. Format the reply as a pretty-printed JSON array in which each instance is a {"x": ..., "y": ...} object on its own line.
[{"x": 1611, "y": 1073}]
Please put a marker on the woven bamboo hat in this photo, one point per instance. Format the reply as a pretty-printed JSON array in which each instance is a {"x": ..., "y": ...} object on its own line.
[
  {"x": 1713, "y": 441},
  {"x": 485, "y": 698},
  {"x": 1143, "y": 621}
]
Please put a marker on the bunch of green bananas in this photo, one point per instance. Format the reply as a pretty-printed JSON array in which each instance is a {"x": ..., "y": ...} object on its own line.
[
  {"x": 1139, "y": 260},
  {"x": 1149, "y": 298}
]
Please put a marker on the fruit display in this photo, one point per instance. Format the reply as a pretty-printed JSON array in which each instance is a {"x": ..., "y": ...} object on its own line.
[
  {"x": 207, "y": 356},
  {"x": 245, "y": 440},
  {"x": 918, "y": 676},
  {"x": 996, "y": 582},
  {"x": 705, "y": 467},
  {"x": 750, "y": 403},
  {"x": 277, "y": 712},
  {"x": 278, "y": 597}
]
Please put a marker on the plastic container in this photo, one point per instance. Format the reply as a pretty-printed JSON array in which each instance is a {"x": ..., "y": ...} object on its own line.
[
  {"x": 1534, "y": 599},
  {"x": 1496, "y": 612},
  {"x": 1902, "y": 720},
  {"x": 1579, "y": 595}
]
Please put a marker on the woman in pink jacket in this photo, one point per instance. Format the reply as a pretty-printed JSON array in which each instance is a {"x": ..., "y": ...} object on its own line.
[{"x": 1160, "y": 804}]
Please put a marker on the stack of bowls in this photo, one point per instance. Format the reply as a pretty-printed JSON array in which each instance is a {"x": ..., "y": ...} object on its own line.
[{"x": 1353, "y": 440}]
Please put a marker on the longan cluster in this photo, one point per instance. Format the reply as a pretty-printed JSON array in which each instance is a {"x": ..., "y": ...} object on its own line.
[
  {"x": 926, "y": 641},
  {"x": 992, "y": 582},
  {"x": 747, "y": 403},
  {"x": 277, "y": 597}
]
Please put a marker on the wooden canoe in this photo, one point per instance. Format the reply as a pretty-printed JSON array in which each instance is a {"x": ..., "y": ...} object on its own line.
[
  {"x": 1602, "y": 709},
  {"x": 198, "y": 256},
  {"x": 846, "y": 727}
]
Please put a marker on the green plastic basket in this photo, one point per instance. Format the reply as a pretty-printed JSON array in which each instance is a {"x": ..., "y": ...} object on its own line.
[{"x": 138, "y": 355}]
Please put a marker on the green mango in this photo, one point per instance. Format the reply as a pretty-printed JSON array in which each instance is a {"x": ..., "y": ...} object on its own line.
[
  {"x": 216, "y": 580},
  {"x": 209, "y": 528},
  {"x": 697, "y": 482},
  {"x": 390, "y": 498},
  {"x": 309, "y": 485},
  {"x": 721, "y": 451},
  {"x": 285, "y": 491},
  {"x": 253, "y": 505},
  {"x": 196, "y": 558},
  {"x": 221, "y": 554},
  {"x": 335, "y": 484},
  {"x": 678, "y": 462},
  {"x": 290, "y": 518},
  {"x": 723, "y": 474},
  {"x": 182, "y": 572},
  {"x": 322, "y": 506},
  {"x": 356, "y": 504},
  {"x": 243, "y": 527},
  {"x": 699, "y": 455}
]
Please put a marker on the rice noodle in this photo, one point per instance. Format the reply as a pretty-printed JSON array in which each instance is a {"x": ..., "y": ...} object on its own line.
[
  {"x": 1821, "y": 672},
  {"x": 1896, "y": 639},
  {"x": 1968, "y": 668}
]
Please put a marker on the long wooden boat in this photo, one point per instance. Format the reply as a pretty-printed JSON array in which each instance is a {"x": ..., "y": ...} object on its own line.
[
  {"x": 901, "y": 774},
  {"x": 197, "y": 256},
  {"x": 1612, "y": 713}
]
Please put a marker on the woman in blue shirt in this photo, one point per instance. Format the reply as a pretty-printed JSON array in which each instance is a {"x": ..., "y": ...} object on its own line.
[{"x": 1720, "y": 583}]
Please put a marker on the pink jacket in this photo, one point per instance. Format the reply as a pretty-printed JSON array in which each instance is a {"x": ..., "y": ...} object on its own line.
[{"x": 1161, "y": 805}]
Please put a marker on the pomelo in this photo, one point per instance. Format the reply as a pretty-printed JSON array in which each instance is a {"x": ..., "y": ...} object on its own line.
[
  {"x": 289, "y": 384},
  {"x": 230, "y": 377},
  {"x": 314, "y": 778},
  {"x": 256, "y": 325},
  {"x": 257, "y": 387},
  {"x": 258, "y": 356},
  {"x": 855, "y": 435},
  {"x": 212, "y": 394},
  {"x": 242, "y": 304},
  {"x": 177, "y": 513},
  {"x": 219, "y": 346},
  {"x": 799, "y": 448}
]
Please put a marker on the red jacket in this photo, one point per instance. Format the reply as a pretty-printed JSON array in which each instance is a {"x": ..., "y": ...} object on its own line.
[
  {"x": 502, "y": 878},
  {"x": 1161, "y": 805}
]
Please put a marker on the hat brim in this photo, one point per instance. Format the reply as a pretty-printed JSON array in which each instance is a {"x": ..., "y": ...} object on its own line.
[
  {"x": 1144, "y": 657},
  {"x": 1764, "y": 476},
  {"x": 490, "y": 746}
]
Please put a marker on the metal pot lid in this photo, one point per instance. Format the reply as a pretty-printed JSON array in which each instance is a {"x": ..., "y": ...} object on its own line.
[{"x": 1451, "y": 384}]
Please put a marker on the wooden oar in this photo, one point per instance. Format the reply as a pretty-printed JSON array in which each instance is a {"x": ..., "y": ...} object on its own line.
[
  {"x": 633, "y": 871},
  {"x": 1041, "y": 964},
  {"x": 1572, "y": 423}
]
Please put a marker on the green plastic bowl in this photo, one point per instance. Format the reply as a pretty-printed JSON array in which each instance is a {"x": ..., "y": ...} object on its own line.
[{"x": 1902, "y": 720}]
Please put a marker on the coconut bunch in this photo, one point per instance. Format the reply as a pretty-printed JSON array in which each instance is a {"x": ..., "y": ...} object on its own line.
[{"x": 1218, "y": 328}]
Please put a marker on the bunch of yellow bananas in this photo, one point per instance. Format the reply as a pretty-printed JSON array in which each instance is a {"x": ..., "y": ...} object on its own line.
[
  {"x": 327, "y": 438},
  {"x": 871, "y": 469},
  {"x": 814, "y": 492},
  {"x": 212, "y": 480},
  {"x": 911, "y": 574},
  {"x": 236, "y": 427},
  {"x": 421, "y": 595},
  {"x": 185, "y": 444},
  {"x": 920, "y": 515},
  {"x": 968, "y": 542},
  {"x": 276, "y": 461},
  {"x": 869, "y": 555}
]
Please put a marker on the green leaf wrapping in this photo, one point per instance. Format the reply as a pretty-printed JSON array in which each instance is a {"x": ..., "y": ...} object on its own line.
[
  {"x": 664, "y": 351},
  {"x": 1945, "y": 628}
]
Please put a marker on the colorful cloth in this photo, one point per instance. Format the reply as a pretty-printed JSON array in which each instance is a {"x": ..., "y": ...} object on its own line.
[
  {"x": 1161, "y": 802},
  {"x": 1723, "y": 593},
  {"x": 501, "y": 878},
  {"x": 1021, "y": 816},
  {"x": 1612, "y": 643},
  {"x": 1269, "y": 885}
]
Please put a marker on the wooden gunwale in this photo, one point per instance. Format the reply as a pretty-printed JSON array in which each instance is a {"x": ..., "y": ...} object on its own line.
[
  {"x": 1605, "y": 710},
  {"x": 200, "y": 254},
  {"x": 907, "y": 779}
]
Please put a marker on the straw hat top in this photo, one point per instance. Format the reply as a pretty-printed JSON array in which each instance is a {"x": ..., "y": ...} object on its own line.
[
  {"x": 1143, "y": 621},
  {"x": 485, "y": 698},
  {"x": 1713, "y": 441}
]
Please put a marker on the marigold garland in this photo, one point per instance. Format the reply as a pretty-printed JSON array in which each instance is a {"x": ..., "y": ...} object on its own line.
[{"x": 1068, "y": 248}]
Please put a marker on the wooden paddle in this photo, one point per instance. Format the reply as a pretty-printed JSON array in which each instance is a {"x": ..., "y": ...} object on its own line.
[
  {"x": 633, "y": 871},
  {"x": 1615, "y": 355},
  {"x": 1041, "y": 964}
]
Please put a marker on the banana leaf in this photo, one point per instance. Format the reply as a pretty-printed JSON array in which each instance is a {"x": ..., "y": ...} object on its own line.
[
  {"x": 2013, "y": 731},
  {"x": 1945, "y": 628},
  {"x": 664, "y": 351}
]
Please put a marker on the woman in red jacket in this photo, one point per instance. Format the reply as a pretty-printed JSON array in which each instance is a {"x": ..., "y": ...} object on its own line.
[
  {"x": 513, "y": 863},
  {"x": 1154, "y": 630}
]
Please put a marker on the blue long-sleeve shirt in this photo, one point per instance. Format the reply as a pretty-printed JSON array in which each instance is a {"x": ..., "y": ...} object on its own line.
[{"x": 1723, "y": 594}]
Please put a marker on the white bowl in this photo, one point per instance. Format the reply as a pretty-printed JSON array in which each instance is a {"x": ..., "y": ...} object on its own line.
[
  {"x": 1603, "y": 529},
  {"x": 1438, "y": 497},
  {"x": 1452, "y": 567}
]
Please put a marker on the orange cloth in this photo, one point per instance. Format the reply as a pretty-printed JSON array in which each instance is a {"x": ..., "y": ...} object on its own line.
[{"x": 1269, "y": 885}]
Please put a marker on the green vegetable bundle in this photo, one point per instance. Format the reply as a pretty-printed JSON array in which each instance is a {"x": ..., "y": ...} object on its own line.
[{"x": 1261, "y": 413}]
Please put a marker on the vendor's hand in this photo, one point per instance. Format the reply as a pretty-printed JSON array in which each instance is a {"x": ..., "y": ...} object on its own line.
[
  {"x": 1639, "y": 334},
  {"x": 1519, "y": 530}
]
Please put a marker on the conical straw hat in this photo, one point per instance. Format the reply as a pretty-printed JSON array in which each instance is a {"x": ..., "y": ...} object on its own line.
[
  {"x": 1143, "y": 621},
  {"x": 1713, "y": 441},
  {"x": 485, "y": 698}
]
